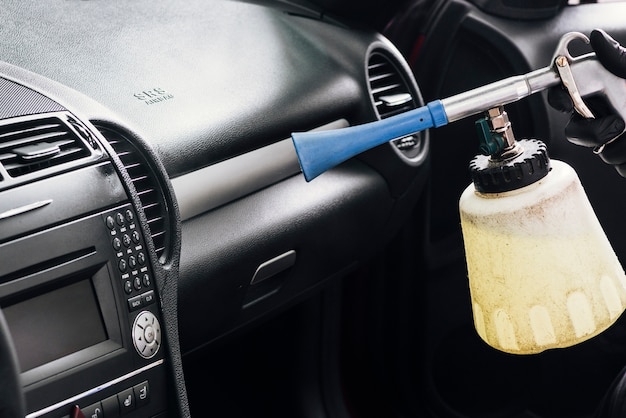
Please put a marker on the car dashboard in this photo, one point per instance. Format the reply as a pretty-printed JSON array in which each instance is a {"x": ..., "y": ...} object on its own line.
[{"x": 162, "y": 254}]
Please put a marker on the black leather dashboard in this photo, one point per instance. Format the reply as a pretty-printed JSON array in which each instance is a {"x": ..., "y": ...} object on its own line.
[{"x": 198, "y": 79}]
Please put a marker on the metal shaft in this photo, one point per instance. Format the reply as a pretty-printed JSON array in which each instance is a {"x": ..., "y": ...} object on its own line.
[{"x": 499, "y": 93}]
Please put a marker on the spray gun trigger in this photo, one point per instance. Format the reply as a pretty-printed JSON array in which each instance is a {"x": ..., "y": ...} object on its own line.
[
  {"x": 562, "y": 60},
  {"x": 565, "y": 73}
]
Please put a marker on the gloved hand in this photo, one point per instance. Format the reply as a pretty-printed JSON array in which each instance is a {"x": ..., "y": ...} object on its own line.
[{"x": 604, "y": 133}]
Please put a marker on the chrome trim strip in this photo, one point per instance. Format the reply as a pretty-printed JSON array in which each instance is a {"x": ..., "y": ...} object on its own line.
[
  {"x": 94, "y": 390},
  {"x": 205, "y": 189},
  {"x": 26, "y": 208},
  {"x": 274, "y": 266}
]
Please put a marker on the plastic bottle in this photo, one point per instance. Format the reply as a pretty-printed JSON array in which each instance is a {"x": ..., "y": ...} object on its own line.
[{"x": 542, "y": 273}]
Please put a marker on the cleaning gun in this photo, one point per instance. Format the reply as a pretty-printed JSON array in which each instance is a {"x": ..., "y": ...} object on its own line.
[{"x": 581, "y": 76}]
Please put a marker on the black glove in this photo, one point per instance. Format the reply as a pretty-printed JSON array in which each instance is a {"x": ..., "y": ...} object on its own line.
[{"x": 602, "y": 132}]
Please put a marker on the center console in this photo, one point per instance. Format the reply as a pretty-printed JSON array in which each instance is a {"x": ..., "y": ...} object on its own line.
[{"x": 78, "y": 286}]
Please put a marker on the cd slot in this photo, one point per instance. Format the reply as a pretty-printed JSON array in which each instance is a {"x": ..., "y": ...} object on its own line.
[
  {"x": 48, "y": 265},
  {"x": 42, "y": 273},
  {"x": 73, "y": 246}
]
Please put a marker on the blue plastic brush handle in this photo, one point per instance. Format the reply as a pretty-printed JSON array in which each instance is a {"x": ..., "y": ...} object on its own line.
[{"x": 321, "y": 150}]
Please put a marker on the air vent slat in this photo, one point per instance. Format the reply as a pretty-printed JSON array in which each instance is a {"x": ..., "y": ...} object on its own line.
[
  {"x": 159, "y": 234},
  {"x": 63, "y": 156},
  {"x": 148, "y": 190},
  {"x": 149, "y": 206},
  {"x": 139, "y": 178},
  {"x": 122, "y": 154},
  {"x": 155, "y": 220},
  {"x": 380, "y": 77},
  {"x": 397, "y": 111},
  {"x": 376, "y": 65},
  {"x": 130, "y": 166},
  {"x": 28, "y": 130},
  {"x": 384, "y": 89},
  {"x": 32, "y": 139},
  {"x": 144, "y": 192}
]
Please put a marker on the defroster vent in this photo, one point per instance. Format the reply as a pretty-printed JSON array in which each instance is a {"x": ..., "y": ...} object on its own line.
[{"x": 148, "y": 189}]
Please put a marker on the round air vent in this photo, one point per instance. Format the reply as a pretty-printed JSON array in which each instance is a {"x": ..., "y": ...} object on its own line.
[{"x": 393, "y": 93}]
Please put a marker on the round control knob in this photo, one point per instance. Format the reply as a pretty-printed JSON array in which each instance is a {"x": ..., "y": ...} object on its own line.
[{"x": 146, "y": 334}]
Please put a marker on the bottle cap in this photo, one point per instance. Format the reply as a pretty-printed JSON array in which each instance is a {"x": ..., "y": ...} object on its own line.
[{"x": 494, "y": 176}]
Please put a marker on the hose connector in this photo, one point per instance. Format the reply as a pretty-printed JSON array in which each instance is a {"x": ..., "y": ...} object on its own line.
[{"x": 496, "y": 138}]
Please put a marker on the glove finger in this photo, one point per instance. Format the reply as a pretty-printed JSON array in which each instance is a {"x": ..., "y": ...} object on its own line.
[
  {"x": 615, "y": 153},
  {"x": 621, "y": 169},
  {"x": 559, "y": 99},
  {"x": 599, "y": 106},
  {"x": 593, "y": 132},
  {"x": 609, "y": 52}
]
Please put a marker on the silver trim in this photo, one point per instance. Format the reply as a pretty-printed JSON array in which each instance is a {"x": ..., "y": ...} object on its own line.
[
  {"x": 274, "y": 266},
  {"x": 23, "y": 209},
  {"x": 499, "y": 93},
  {"x": 94, "y": 390},
  {"x": 205, "y": 189}
]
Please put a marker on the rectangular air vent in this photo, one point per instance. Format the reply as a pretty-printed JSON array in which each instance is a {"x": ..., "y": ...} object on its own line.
[{"x": 33, "y": 145}]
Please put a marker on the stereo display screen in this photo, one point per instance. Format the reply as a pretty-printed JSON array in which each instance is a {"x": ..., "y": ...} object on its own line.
[{"x": 54, "y": 324}]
